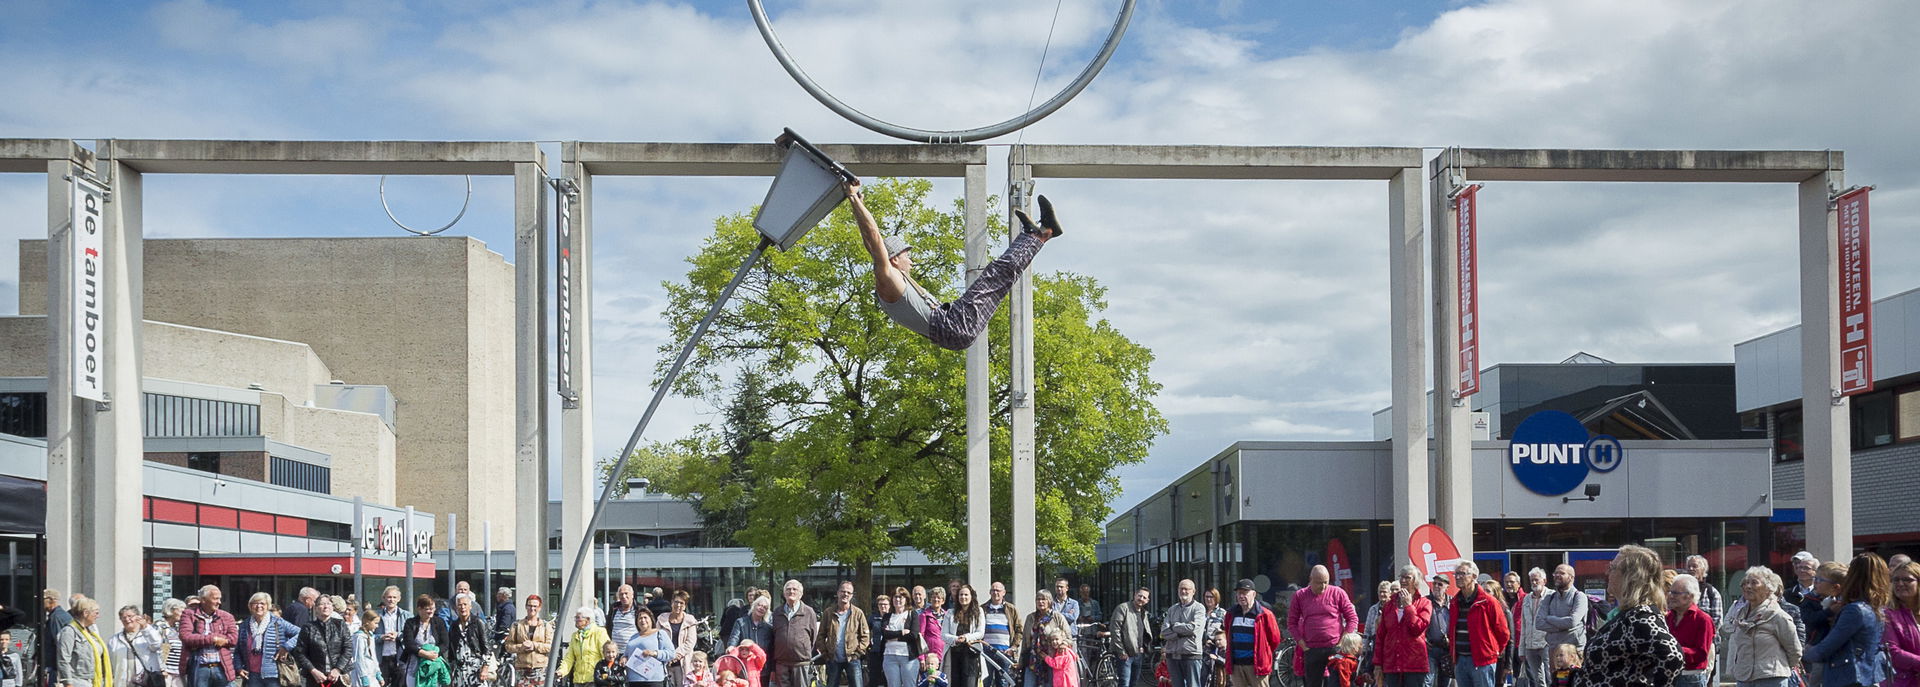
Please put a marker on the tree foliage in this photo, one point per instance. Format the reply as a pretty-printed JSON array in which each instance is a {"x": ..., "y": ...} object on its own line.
[{"x": 845, "y": 434}]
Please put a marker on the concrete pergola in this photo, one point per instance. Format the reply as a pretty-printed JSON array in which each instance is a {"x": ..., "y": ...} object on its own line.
[
  {"x": 1399, "y": 168},
  {"x": 94, "y": 450},
  {"x": 1818, "y": 175}
]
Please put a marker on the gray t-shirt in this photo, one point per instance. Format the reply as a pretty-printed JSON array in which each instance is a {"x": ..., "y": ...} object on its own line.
[{"x": 913, "y": 310}]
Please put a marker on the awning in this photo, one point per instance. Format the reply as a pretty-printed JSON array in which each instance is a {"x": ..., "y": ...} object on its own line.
[{"x": 23, "y": 506}]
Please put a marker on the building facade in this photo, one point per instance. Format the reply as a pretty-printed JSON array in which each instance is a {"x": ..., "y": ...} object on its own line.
[
  {"x": 1885, "y": 421},
  {"x": 428, "y": 318}
]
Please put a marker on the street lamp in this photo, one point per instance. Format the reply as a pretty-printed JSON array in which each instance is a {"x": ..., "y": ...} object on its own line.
[{"x": 807, "y": 187}]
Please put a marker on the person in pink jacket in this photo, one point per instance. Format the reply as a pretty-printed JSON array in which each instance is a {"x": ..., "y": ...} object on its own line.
[
  {"x": 1902, "y": 637},
  {"x": 1320, "y": 614},
  {"x": 1400, "y": 640}
]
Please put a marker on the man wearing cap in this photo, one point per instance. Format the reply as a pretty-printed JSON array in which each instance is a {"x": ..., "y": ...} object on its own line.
[
  {"x": 1253, "y": 635},
  {"x": 1804, "y": 565},
  {"x": 956, "y": 324}
]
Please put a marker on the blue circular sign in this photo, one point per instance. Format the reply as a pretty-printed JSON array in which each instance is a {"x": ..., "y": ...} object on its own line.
[
  {"x": 1604, "y": 453},
  {"x": 1548, "y": 452}
]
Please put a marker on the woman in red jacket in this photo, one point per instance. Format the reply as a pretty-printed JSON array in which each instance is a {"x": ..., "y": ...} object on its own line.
[{"x": 1400, "y": 639}]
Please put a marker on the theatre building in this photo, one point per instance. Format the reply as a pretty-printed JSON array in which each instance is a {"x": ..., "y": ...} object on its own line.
[
  {"x": 1668, "y": 465},
  {"x": 282, "y": 380}
]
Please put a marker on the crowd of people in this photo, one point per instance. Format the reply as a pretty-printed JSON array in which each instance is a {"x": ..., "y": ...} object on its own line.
[{"x": 1837, "y": 625}]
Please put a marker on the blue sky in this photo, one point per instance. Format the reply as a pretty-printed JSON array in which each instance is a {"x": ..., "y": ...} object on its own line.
[{"x": 1265, "y": 301}]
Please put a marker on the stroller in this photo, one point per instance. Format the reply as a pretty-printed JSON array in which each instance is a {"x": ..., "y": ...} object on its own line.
[{"x": 999, "y": 668}]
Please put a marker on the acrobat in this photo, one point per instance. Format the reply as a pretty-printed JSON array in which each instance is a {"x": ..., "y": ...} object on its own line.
[{"x": 954, "y": 325}]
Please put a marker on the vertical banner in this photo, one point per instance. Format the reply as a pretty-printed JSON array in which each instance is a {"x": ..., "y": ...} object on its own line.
[
  {"x": 86, "y": 270},
  {"x": 1465, "y": 231},
  {"x": 563, "y": 291},
  {"x": 1856, "y": 295}
]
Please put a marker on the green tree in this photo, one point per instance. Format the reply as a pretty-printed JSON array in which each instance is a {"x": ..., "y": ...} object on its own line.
[{"x": 856, "y": 443}]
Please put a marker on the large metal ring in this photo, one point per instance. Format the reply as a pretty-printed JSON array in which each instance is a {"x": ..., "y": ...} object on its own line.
[
  {"x": 403, "y": 225},
  {"x": 960, "y": 136}
]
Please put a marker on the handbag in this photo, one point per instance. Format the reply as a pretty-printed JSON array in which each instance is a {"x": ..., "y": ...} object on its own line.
[{"x": 289, "y": 669}]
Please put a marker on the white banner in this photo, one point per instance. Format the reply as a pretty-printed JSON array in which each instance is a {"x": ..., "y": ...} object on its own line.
[{"x": 89, "y": 292}]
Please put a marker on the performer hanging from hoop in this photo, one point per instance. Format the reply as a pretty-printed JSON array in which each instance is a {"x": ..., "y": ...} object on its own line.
[{"x": 954, "y": 325}]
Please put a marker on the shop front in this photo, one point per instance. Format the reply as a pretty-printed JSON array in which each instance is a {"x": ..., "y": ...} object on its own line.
[{"x": 1270, "y": 511}]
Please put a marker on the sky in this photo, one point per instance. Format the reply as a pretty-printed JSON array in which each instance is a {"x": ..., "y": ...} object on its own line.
[{"x": 1265, "y": 302}]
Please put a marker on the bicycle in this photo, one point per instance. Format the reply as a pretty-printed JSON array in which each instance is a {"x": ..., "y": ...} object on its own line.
[
  {"x": 1283, "y": 675},
  {"x": 1099, "y": 665}
]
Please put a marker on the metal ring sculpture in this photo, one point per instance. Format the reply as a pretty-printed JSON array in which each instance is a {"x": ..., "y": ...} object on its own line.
[
  {"x": 958, "y": 136},
  {"x": 403, "y": 225}
]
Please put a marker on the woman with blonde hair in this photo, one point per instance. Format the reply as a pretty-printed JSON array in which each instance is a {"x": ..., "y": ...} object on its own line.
[
  {"x": 1851, "y": 649},
  {"x": 1762, "y": 645},
  {"x": 83, "y": 660},
  {"x": 1634, "y": 647}
]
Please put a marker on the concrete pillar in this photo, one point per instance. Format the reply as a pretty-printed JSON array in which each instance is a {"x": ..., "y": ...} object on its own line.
[
  {"x": 110, "y": 517},
  {"x": 530, "y": 193},
  {"x": 1824, "y": 414},
  {"x": 979, "y": 453},
  {"x": 577, "y": 473},
  {"x": 1020, "y": 380},
  {"x": 64, "y": 466},
  {"x": 1405, "y": 276},
  {"x": 1452, "y": 429}
]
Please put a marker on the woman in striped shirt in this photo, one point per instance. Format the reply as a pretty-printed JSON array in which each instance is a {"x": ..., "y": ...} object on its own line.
[{"x": 169, "y": 627}]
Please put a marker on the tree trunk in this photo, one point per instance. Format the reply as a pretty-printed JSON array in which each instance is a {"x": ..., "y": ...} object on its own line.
[{"x": 863, "y": 591}]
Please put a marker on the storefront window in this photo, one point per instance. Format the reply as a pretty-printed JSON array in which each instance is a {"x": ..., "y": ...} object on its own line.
[
  {"x": 1873, "y": 419},
  {"x": 1907, "y": 408},
  {"x": 1787, "y": 434}
]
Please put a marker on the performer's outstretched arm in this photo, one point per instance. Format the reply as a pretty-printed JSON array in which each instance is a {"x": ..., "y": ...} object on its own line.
[{"x": 887, "y": 281}]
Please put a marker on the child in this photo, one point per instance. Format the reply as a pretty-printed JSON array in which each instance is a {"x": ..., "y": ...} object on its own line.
[
  {"x": 752, "y": 657},
  {"x": 930, "y": 675},
  {"x": 610, "y": 671},
  {"x": 697, "y": 675},
  {"x": 1345, "y": 660},
  {"x": 1566, "y": 665},
  {"x": 728, "y": 669},
  {"x": 1060, "y": 660}
]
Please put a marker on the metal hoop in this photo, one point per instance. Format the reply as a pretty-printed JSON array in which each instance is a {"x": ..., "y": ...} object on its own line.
[
  {"x": 1058, "y": 101},
  {"x": 403, "y": 225}
]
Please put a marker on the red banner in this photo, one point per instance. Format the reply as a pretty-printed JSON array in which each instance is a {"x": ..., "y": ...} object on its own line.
[
  {"x": 1466, "y": 229},
  {"x": 1432, "y": 551},
  {"x": 1856, "y": 296}
]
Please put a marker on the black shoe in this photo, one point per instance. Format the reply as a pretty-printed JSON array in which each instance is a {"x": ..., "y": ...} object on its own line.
[
  {"x": 1026, "y": 223},
  {"x": 1047, "y": 219}
]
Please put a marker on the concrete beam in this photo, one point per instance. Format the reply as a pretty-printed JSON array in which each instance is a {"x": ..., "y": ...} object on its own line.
[
  {"x": 979, "y": 371},
  {"x": 530, "y": 193},
  {"x": 31, "y": 155},
  {"x": 763, "y": 159},
  {"x": 1020, "y": 381},
  {"x": 325, "y": 157},
  {"x": 1519, "y": 164},
  {"x": 1406, "y": 277},
  {"x": 1825, "y": 416},
  {"x": 1218, "y": 162},
  {"x": 1452, "y": 417}
]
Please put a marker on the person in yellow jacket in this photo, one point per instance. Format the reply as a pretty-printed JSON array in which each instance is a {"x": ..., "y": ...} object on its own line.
[
  {"x": 584, "y": 650},
  {"x": 83, "y": 660}
]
